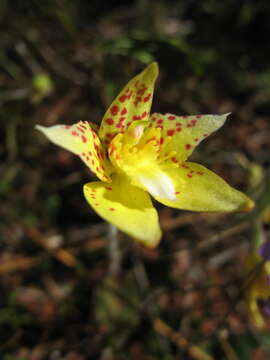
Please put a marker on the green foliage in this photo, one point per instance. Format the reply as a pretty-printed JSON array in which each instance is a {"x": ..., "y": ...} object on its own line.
[{"x": 11, "y": 357}]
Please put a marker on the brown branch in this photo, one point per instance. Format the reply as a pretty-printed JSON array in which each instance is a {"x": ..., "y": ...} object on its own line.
[
  {"x": 64, "y": 256},
  {"x": 175, "y": 337},
  {"x": 18, "y": 264}
]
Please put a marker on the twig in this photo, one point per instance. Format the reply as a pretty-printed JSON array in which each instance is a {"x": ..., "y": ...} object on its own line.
[
  {"x": 206, "y": 244},
  {"x": 227, "y": 348},
  {"x": 18, "y": 264},
  {"x": 180, "y": 220},
  {"x": 60, "y": 254},
  {"x": 175, "y": 337},
  {"x": 213, "y": 240},
  {"x": 162, "y": 328}
]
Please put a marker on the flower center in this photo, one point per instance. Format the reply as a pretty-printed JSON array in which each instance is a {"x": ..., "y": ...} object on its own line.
[{"x": 136, "y": 154}]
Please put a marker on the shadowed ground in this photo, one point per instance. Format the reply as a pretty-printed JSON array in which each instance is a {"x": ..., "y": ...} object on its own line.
[{"x": 67, "y": 290}]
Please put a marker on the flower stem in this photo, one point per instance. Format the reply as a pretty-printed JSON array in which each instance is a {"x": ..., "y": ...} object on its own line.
[{"x": 114, "y": 251}]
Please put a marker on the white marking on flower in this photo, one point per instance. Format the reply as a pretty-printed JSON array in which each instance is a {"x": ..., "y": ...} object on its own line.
[{"x": 159, "y": 185}]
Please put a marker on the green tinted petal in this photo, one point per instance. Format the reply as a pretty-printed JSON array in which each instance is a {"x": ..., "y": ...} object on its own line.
[{"x": 199, "y": 189}]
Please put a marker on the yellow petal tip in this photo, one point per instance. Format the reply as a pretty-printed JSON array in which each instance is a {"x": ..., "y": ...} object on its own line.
[
  {"x": 40, "y": 128},
  {"x": 152, "y": 69},
  {"x": 150, "y": 243},
  {"x": 248, "y": 206}
]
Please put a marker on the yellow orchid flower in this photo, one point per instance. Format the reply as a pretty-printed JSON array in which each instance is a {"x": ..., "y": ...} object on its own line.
[
  {"x": 134, "y": 153},
  {"x": 258, "y": 288}
]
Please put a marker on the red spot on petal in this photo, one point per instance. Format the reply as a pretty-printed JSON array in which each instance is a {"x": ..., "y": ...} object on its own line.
[
  {"x": 177, "y": 192},
  {"x": 74, "y": 133},
  {"x": 188, "y": 146},
  {"x": 142, "y": 90},
  {"x": 114, "y": 110},
  {"x": 109, "y": 121},
  {"x": 109, "y": 135},
  {"x": 122, "y": 98},
  {"x": 137, "y": 100},
  {"x": 124, "y": 111},
  {"x": 108, "y": 188},
  {"x": 171, "y": 117},
  {"x": 147, "y": 98},
  {"x": 143, "y": 114},
  {"x": 83, "y": 138},
  {"x": 170, "y": 132},
  {"x": 111, "y": 209}
]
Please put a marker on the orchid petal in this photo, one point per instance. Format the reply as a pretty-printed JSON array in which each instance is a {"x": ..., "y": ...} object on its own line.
[
  {"x": 133, "y": 103},
  {"x": 128, "y": 208},
  {"x": 81, "y": 140},
  {"x": 199, "y": 189},
  {"x": 181, "y": 134}
]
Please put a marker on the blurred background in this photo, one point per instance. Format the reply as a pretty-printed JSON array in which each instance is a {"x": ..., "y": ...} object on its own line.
[{"x": 63, "y": 61}]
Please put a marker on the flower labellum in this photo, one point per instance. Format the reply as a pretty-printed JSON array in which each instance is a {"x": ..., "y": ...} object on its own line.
[{"x": 135, "y": 154}]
